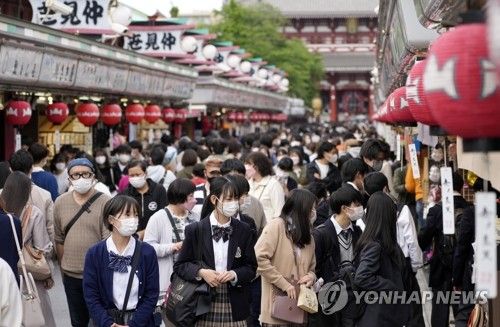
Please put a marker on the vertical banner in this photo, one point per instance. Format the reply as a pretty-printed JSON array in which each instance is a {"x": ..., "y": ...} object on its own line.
[
  {"x": 88, "y": 142},
  {"x": 18, "y": 140},
  {"x": 447, "y": 200},
  {"x": 110, "y": 140},
  {"x": 398, "y": 148},
  {"x": 414, "y": 161},
  {"x": 57, "y": 140},
  {"x": 132, "y": 132},
  {"x": 151, "y": 136},
  {"x": 486, "y": 246}
]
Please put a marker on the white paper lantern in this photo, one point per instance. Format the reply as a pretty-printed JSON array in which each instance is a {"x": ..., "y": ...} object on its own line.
[
  {"x": 188, "y": 44},
  {"x": 246, "y": 67},
  {"x": 121, "y": 15},
  {"x": 285, "y": 83},
  {"x": 233, "y": 61},
  {"x": 209, "y": 51},
  {"x": 276, "y": 78},
  {"x": 262, "y": 73}
]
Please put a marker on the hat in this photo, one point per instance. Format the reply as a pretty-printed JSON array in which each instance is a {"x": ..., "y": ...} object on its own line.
[{"x": 80, "y": 162}]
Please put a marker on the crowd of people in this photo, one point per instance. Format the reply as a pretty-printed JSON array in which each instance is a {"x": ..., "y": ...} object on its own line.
[{"x": 269, "y": 212}]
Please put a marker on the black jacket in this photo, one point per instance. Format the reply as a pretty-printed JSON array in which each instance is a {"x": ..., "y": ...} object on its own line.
[
  {"x": 332, "y": 181},
  {"x": 323, "y": 213},
  {"x": 327, "y": 250},
  {"x": 440, "y": 275},
  {"x": 364, "y": 197},
  {"x": 464, "y": 253},
  {"x": 244, "y": 265},
  {"x": 150, "y": 202},
  {"x": 377, "y": 271}
]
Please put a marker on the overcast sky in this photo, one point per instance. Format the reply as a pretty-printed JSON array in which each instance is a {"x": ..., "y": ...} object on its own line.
[{"x": 188, "y": 6}]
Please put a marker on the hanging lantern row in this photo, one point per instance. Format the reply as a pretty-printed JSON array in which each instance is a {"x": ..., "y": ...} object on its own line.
[{"x": 17, "y": 113}]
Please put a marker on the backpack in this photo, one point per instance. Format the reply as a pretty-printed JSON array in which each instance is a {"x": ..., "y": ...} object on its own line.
[{"x": 447, "y": 243}]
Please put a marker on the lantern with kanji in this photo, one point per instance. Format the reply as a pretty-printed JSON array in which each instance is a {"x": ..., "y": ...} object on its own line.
[
  {"x": 231, "y": 116},
  {"x": 240, "y": 117},
  {"x": 254, "y": 117},
  {"x": 460, "y": 84},
  {"x": 111, "y": 114},
  {"x": 398, "y": 108},
  {"x": 168, "y": 115},
  {"x": 134, "y": 113},
  {"x": 152, "y": 113},
  {"x": 87, "y": 113},
  {"x": 181, "y": 116},
  {"x": 57, "y": 112},
  {"x": 17, "y": 113},
  {"x": 416, "y": 97}
]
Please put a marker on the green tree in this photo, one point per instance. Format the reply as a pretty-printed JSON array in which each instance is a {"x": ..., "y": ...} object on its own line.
[
  {"x": 174, "y": 12},
  {"x": 257, "y": 29}
]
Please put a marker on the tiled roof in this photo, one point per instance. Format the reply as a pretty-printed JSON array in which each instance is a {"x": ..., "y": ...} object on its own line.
[
  {"x": 349, "y": 61},
  {"x": 322, "y": 8}
]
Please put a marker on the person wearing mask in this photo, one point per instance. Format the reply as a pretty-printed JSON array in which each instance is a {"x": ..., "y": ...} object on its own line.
[
  {"x": 78, "y": 224},
  {"x": 249, "y": 205},
  {"x": 165, "y": 229},
  {"x": 441, "y": 263},
  {"x": 39, "y": 176},
  {"x": 109, "y": 266},
  {"x": 123, "y": 156},
  {"x": 189, "y": 159},
  {"x": 284, "y": 173},
  {"x": 335, "y": 241},
  {"x": 11, "y": 306},
  {"x": 171, "y": 151},
  {"x": 407, "y": 239},
  {"x": 372, "y": 153},
  {"x": 198, "y": 174},
  {"x": 136, "y": 150},
  {"x": 323, "y": 168},
  {"x": 228, "y": 258},
  {"x": 150, "y": 195},
  {"x": 263, "y": 186},
  {"x": 99, "y": 184},
  {"x": 353, "y": 174},
  {"x": 104, "y": 166},
  {"x": 381, "y": 264},
  {"x": 212, "y": 170},
  {"x": 156, "y": 171},
  {"x": 58, "y": 168},
  {"x": 15, "y": 195},
  {"x": 298, "y": 166},
  {"x": 286, "y": 237},
  {"x": 323, "y": 211},
  {"x": 22, "y": 161}
]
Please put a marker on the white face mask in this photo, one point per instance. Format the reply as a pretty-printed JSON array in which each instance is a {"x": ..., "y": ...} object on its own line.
[
  {"x": 127, "y": 226},
  {"x": 315, "y": 138},
  {"x": 435, "y": 174},
  {"x": 60, "y": 166},
  {"x": 100, "y": 160},
  {"x": 138, "y": 181},
  {"x": 334, "y": 159},
  {"x": 246, "y": 203},
  {"x": 356, "y": 213},
  {"x": 82, "y": 185},
  {"x": 294, "y": 143},
  {"x": 229, "y": 208},
  {"x": 437, "y": 155},
  {"x": 354, "y": 151},
  {"x": 295, "y": 160},
  {"x": 124, "y": 158}
]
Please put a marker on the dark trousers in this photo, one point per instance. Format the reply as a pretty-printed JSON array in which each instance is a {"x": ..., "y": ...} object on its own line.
[
  {"x": 440, "y": 311},
  {"x": 73, "y": 287},
  {"x": 256, "y": 291}
]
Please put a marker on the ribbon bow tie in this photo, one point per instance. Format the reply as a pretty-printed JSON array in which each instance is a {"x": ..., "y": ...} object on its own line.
[
  {"x": 119, "y": 263},
  {"x": 219, "y": 232}
]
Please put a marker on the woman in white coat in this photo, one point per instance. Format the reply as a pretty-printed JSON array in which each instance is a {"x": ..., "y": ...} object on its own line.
[{"x": 165, "y": 229}]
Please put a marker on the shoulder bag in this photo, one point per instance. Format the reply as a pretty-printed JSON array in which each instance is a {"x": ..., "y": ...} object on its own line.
[
  {"x": 32, "y": 309},
  {"x": 35, "y": 261},
  {"x": 174, "y": 227},
  {"x": 85, "y": 207},
  {"x": 185, "y": 301}
]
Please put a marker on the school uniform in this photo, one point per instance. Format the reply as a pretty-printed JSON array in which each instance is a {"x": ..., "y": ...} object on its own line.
[
  {"x": 105, "y": 283},
  {"x": 234, "y": 250}
]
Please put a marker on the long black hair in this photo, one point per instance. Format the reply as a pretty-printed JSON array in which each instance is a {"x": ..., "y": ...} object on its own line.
[
  {"x": 380, "y": 220},
  {"x": 296, "y": 213},
  {"x": 16, "y": 192},
  {"x": 221, "y": 187}
]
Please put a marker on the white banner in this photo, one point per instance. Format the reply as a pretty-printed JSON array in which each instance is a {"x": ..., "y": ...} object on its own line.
[
  {"x": 154, "y": 43},
  {"x": 447, "y": 200},
  {"x": 414, "y": 161}
]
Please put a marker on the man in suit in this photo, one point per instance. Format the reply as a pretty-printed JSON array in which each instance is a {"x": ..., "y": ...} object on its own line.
[{"x": 335, "y": 241}]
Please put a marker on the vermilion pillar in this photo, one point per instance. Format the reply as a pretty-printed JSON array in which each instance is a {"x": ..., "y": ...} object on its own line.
[{"x": 333, "y": 104}]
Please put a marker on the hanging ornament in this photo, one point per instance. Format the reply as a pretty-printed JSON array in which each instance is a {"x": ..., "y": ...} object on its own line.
[
  {"x": 152, "y": 113},
  {"x": 399, "y": 108},
  {"x": 87, "y": 113},
  {"x": 134, "y": 113},
  {"x": 168, "y": 115},
  {"x": 17, "y": 113},
  {"x": 57, "y": 112},
  {"x": 416, "y": 97},
  {"x": 111, "y": 114},
  {"x": 181, "y": 116}
]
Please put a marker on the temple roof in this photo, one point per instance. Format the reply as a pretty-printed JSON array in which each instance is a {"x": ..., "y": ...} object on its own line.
[{"x": 322, "y": 8}]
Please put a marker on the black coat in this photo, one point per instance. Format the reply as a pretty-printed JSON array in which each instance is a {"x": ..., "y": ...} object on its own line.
[
  {"x": 323, "y": 213},
  {"x": 363, "y": 196},
  {"x": 440, "y": 274},
  {"x": 377, "y": 271},
  {"x": 244, "y": 266},
  {"x": 332, "y": 181},
  {"x": 150, "y": 202},
  {"x": 464, "y": 253}
]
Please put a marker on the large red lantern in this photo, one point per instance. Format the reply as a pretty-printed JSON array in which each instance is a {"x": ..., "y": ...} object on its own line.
[
  {"x": 111, "y": 114},
  {"x": 398, "y": 107},
  {"x": 240, "y": 117},
  {"x": 168, "y": 115},
  {"x": 57, "y": 112},
  {"x": 181, "y": 116},
  {"x": 87, "y": 113},
  {"x": 460, "y": 83},
  {"x": 18, "y": 113},
  {"x": 152, "y": 113},
  {"x": 134, "y": 113},
  {"x": 415, "y": 95},
  {"x": 254, "y": 117},
  {"x": 232, "y": 116}
]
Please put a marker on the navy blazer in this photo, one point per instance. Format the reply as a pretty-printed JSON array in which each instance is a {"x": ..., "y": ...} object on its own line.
[
  {"x": 98, "y": 286},
  {"x": 245, "y": 265}
]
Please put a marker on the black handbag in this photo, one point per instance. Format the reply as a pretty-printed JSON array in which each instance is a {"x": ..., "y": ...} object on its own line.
[{"x": 186, "y": 301}]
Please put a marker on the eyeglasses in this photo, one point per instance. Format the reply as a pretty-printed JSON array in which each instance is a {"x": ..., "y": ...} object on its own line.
[{"x": 76, "y": 176}]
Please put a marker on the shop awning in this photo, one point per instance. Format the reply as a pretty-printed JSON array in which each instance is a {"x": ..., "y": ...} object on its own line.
[
  {"x": 219, "y": 92},
  {"x": 34, "y": 57}
]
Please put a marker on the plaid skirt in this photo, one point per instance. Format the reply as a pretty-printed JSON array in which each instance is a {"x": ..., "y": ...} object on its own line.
[{"x": 220, "y": 314}]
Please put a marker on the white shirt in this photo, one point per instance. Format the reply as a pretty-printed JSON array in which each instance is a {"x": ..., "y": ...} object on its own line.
[
  {"x": 271, "y": 195},
  {"x": 323, "y": 169},
  {"x": 337, "y": 226},
  {"x": 221, "y": 248},
  {"x": 11, "y": 307},
  {"x": 120, "y": 280},
  {"x": 407, "y": 238},
  {"x": 353, "y": 185}
]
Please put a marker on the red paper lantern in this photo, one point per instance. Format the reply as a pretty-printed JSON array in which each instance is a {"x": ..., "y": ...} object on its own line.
[
  {"x": 232, "y": 116},
  {"x": 57, "y": 112},
  {"x": 181, "y": 116},
  {"x": 87, "y": 113},
  {"x": 254, "y": 117},
  {"x": 240, "y": 117},
  {"x": 134, "y": 113},
  {"x": 398, "y": 107},
  {"x": 460, "y": 83},
  {"x": 152, "y": 113},
  {"x": 111, "y": 114},
  {"x": 415, "y": 95},
  {"x": 384, "y": 113},
  {"x": 168, "y": 115},
  {"x": 17, "y": 113}
]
